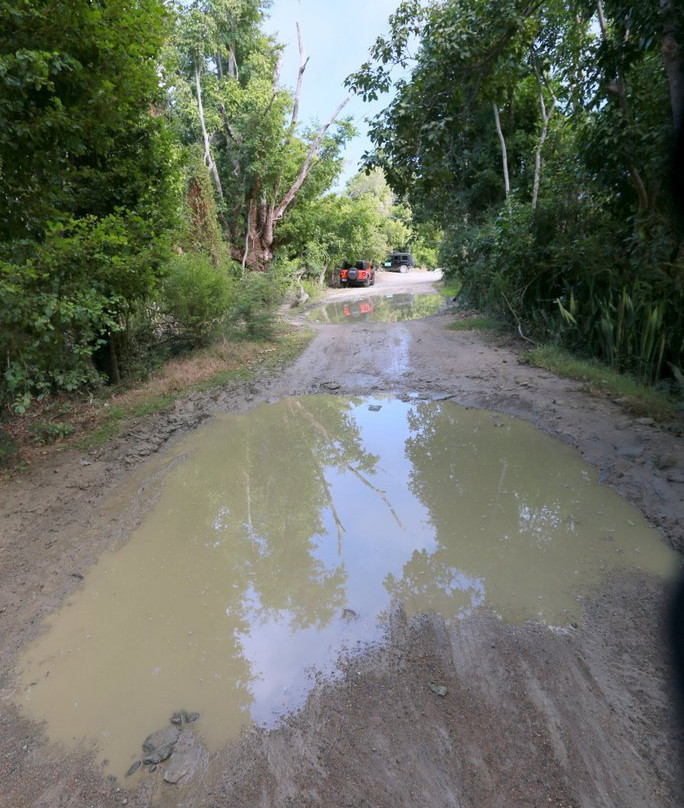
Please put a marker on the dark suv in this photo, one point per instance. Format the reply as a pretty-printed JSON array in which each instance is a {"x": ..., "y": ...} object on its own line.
[
  {"x": 399, "y": 262},
  {"x": 362, "y": 273}
]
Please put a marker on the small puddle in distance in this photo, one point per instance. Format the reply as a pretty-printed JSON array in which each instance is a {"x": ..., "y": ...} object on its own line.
[
  {"x": 287, "y": 534},
  {"x": 379, "y": 308}
]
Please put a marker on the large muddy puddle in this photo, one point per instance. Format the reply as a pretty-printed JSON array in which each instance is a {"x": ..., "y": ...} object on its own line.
[
  {"x": 280, "y": 538},
  {"x": 379, "y": 308}
]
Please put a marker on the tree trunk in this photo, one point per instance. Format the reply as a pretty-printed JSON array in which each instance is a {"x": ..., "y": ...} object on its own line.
[
  {"x": 672, "y": 59},
  {"x": 208, "y": 157},
  {"x": 256, "y": 252},
  {"x": 106, "y": 358},
  {"x": 504, "y": 154},
  {"x": 546, "y": 117}
]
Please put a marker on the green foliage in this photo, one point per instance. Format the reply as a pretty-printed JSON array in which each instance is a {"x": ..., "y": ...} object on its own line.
[
  {"x": 629, "y": 330},
  {"x": 68, "y": 298},
  {"x": 565, "y": 276},
  {"x": 8, "y": 448},
  {"x": 253, "y": 309},
  {"x": 200, "y": 230},
  {"x": 584, "y": 250},
  {"x": 425, "y": 244},
  {"x": 76, "y": 83},
  {"x": 366, "y": 222},
  {"x": 323, "y": 233},
  {"x": 195, "y": 297},
  {"x": 86, "y": 183},
  {"x": 45, "y": 432}
]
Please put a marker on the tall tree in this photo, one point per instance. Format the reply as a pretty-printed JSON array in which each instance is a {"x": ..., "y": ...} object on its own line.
[{"x": 259, "y": 157}]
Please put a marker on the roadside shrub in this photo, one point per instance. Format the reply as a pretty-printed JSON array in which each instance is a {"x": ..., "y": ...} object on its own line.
[
  {"x": 195, "y": 298},
  {"x": 253, "y": 309},
  {"x": 45, "y": 432},
  {"x": 66, "y": 298},
  {"x": 561, "y": 271},
  {"x": 48, "y": 334}
]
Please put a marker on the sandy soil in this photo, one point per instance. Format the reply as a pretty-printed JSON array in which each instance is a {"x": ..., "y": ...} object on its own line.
[{"x": 532, "y": 717}]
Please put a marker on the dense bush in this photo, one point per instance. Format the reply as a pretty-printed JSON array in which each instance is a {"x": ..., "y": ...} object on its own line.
[
  {"x": 194, "y": 298},
  {"x": 562, "y": 272},
  {"x": 547, "y": 163},
  {"x": 87, "y": 186},
  {"x": 253, "y": 309},
  {"x": 63, "y": 304}
]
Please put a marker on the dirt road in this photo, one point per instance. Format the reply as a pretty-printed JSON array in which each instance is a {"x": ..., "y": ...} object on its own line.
[{"x": 532, "y": 717}]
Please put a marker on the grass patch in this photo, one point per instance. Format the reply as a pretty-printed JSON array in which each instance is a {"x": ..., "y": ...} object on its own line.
[
  {"x": 451, "y": 289},
  {"x": 475, "y": 323},
  {"x": 92, "y": 422},
  {"x": 222, "y": 364},
  {"x": 634, "y": 396}
]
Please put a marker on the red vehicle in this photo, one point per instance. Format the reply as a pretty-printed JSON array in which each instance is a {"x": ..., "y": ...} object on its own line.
[{"x": 362, "y": 273}]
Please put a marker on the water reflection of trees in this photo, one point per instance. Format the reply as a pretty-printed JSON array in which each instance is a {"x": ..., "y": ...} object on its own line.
[
  {"x": 382, "y": 309},
  {"x": 268, "y": 496},
  {"x": 495, "y": 507},
  {"x": 431, "y": 583}
]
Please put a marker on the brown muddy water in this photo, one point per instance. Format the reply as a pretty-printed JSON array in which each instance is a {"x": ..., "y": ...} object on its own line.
[
  {"x": 281, "y": 538},
  {"x": 379, "y": 308}
]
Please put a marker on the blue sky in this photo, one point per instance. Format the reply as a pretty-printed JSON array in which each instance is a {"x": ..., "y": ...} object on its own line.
[{"x": 337, "y": 36}]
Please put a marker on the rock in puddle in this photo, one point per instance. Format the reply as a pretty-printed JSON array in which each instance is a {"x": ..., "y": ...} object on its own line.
[
  {"x": 188, "y": 756},
  {"x": 159, "y": 745},
  {"x": 133, "y": 768},
  {"x": 173, "y": 743}
]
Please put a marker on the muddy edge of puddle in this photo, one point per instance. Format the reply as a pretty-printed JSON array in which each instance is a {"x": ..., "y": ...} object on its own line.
[{"x": 286, "y": 534}]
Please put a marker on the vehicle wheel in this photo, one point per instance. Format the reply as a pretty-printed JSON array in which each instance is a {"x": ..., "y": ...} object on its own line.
[{"x": 403, "y": 268}]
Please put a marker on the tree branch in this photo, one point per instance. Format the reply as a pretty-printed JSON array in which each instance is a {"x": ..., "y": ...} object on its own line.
[
  {"x": 307, "y": 164},
  {"x": 303, "y": 62},
  {"x": 504, "y": 153},
  {"x": 208, "y": 157},
  {"x": 517, "y": 320}
]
